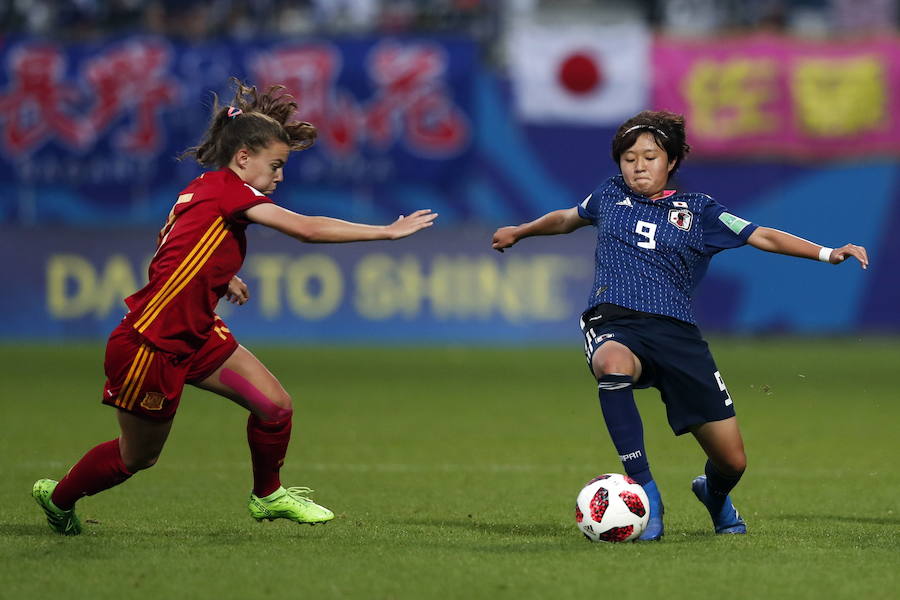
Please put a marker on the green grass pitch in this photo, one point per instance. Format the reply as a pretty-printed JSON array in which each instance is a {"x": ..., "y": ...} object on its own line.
[{"x": 453, "y": 474}]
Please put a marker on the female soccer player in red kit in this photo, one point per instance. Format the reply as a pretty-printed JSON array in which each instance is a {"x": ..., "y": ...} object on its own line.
[{"x": 172, "y": 335}]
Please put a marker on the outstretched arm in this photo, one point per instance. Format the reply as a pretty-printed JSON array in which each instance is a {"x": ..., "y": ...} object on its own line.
[
  {"x": 559, "y": 221},
  {"x": 773, "y": 240},
  {"x": 327, "y": 230}
]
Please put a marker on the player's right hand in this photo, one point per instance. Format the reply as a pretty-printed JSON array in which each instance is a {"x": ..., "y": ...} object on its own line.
[
  {"x": 412, "y": 223},
  {"x": 504, "y": 238}
]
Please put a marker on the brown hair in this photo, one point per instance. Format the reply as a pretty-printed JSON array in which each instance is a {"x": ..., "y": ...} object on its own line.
[
  {"x": 667, "y": 128},
  {"x": 252, "y": 121}
]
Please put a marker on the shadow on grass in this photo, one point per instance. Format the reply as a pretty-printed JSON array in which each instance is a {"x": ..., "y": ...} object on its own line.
[
  {"x": 852, "y": 519},
  {"x": 25, "y": 529},
  {"x": 543, "y": 530},
  {"x": 145, "y": 533},
  {"x": 513, "y": 529}
]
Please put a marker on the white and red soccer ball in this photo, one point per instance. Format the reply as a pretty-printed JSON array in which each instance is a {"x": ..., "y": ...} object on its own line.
[{"x": 612, "y": 508}]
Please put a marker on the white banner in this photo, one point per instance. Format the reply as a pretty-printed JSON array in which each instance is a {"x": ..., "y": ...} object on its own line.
[{"x": 578, "y": 73}]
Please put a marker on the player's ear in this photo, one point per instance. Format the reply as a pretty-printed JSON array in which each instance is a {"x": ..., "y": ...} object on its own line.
[
  {"x": 241, "y": 157},
  {"x": 672, "y": 164}
]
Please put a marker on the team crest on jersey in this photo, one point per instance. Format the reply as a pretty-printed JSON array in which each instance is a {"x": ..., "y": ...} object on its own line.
[
  {"x": 153, "y": 401},
  {"x": 681, "y": 218}
]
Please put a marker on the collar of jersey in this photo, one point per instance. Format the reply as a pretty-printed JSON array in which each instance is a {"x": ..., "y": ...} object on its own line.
[{"x": 623, "y": 187}]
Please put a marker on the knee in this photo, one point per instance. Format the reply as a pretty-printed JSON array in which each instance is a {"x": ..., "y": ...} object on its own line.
[
  {"x": 734, "y": 464},
  {"x": 610, "y": 359},
  {"x": 285, "y": 406},
  {"x": 280, "y": 407},
  {"x": 139, "y": 463},
  {"x": 613, "y": 360},
  {"x": 283, "y": 401}
]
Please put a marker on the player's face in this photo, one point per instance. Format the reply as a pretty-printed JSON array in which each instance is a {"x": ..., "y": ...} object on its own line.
[
  {"x": 645, "y": 166},
  {"x": 263, "y": 169}
]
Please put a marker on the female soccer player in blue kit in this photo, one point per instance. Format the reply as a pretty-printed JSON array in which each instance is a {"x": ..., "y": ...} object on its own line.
[{"x": 653, "y": 247}]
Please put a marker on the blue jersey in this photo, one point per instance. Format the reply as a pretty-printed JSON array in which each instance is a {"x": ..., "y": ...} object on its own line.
[{"x": 651, "y": 254}]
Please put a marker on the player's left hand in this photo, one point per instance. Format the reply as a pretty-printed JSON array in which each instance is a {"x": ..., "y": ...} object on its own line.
[
  {"x": 238, "y": 292},
  {"x": 407, "y": 225},
  {"x": 839, "y": 255}
]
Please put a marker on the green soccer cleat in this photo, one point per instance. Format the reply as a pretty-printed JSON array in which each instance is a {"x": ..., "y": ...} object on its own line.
[
  {"x": 291, "y": 503},
  {"x": 63, "y": 522}
]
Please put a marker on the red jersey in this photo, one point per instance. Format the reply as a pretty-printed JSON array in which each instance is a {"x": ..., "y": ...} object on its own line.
[{"x": 200, "y": 249}]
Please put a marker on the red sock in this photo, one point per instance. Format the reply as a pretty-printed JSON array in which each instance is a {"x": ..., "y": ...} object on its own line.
[
  {"x": 268, "y": 447},
  {"x": 100, "y": 469}
]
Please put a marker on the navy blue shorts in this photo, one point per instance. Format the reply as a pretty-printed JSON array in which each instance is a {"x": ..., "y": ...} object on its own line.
[{"x": 675, "y": 360}]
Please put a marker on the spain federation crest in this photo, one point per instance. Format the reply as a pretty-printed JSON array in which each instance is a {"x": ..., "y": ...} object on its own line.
[
  {"x": 681, "y": 218},
  {"x": 153, "y": 401}
]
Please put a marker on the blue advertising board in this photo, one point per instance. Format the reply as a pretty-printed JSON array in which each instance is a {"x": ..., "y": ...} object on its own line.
[{"x": 440, "y": 286}]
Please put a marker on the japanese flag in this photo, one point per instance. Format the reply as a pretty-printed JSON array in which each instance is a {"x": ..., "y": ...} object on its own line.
[{"x": 588, "y": 74}]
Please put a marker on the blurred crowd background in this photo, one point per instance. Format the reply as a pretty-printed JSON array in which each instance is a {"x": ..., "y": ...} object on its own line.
[
  {"x": 491, "y": 112},
  {"x": 482, "y": 20}
]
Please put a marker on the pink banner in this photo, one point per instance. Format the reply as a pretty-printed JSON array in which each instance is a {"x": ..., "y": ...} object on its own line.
[{"x": 772, "y": 96}]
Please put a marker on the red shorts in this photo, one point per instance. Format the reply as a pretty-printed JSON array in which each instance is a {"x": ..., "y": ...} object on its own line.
[{"x": 146, "y": 381}]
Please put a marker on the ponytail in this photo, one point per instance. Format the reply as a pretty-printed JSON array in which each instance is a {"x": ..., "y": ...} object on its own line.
[{"x": 251, "y": 121}]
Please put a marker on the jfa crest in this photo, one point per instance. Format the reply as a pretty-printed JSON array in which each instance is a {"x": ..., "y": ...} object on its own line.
[{"x": 681, "y": 218}]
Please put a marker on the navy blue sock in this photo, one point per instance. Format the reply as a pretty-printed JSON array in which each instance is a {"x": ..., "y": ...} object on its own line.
[
  {"x": 717, "y": 483},
  {"x": 623, "y": 421}
]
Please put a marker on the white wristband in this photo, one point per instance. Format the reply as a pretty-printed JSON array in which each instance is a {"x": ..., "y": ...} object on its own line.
[{"x": 825, "y": 254}]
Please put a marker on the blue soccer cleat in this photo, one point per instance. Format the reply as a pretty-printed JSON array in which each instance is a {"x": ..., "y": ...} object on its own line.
[
  {"x": 654, "y": 530},
  {"x": 725, "y": 517}
]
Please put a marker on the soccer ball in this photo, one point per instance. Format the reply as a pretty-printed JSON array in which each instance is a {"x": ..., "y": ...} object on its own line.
[{"x": 612, "y": 508}]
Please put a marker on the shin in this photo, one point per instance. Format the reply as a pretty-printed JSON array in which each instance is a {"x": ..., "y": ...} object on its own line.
[
  {"x": 268, "y": 431},
  {"x": 624, "y": 425},
  {"x": 100, "y": 469}
]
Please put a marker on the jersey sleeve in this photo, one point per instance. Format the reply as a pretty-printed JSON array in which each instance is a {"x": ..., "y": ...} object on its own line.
[
  {"x": 585, "y": 210},
  {"x": 589, "y": 208},
  {"x": 723, "y": 230},
  {"x": 238, "y": 198}
]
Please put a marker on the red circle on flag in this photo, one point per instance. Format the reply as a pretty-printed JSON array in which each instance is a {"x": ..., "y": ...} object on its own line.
[{"x": 579, "y": 73}]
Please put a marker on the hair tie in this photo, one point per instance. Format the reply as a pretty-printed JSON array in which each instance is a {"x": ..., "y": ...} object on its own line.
[
  {"x": 650, "y": 127},
  {"x": 233, "y": 111}
]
